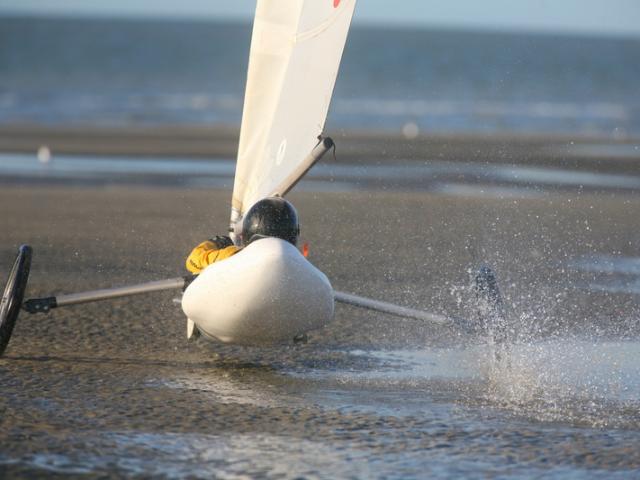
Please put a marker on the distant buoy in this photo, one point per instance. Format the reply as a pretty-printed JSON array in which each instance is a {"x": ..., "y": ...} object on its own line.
[
  {"x": 410, "y": 130},
  {"x": 44, "y": 154}
]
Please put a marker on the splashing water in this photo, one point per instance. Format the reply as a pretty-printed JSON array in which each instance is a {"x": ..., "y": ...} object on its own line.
[{"x": 566, "y": 379}]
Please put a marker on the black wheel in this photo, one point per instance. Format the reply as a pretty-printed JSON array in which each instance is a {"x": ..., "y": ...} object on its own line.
[
  {"x": 489, "y": 304},
  {"x": 14, "y": 294}
]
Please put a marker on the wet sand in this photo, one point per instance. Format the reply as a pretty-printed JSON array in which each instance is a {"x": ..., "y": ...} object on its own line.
[
  {"x": 366, "y": 147},
  {"x": 114, "y": 388}
]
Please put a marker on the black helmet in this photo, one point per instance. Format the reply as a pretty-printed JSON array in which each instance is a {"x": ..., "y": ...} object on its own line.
[{"x": 271, "y": 217}]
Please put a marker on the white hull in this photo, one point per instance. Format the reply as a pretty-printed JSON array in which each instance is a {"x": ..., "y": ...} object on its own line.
[{"x": 267, "y": 293}]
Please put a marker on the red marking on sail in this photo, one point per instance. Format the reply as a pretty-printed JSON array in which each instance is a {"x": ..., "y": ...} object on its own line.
[
  {"x": 336, "y": 3},
  {"x": 305, "y": 250}
]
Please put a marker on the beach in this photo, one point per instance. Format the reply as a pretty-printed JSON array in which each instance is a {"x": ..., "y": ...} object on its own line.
[
  {"x": 114, "y": 388},
  {"x": 456, "y": 150},
  {"x": 601, "y": 153}
]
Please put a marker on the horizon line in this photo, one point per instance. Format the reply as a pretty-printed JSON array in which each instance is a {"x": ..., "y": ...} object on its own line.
[{"x": 390, "y": 25}]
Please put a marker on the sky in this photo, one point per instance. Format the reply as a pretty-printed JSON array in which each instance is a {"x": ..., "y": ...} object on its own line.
[{"x": 609, "y": 17}]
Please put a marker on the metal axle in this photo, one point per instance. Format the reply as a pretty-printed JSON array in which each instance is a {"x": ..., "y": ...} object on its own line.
[
  {"x": 43, "y": 305},
  {"x": 38, "y": 305},
  {"x": 392, "y": 309}
]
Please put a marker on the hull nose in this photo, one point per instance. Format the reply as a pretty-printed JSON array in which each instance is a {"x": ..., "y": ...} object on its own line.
[{"x": 267, "y": 293}]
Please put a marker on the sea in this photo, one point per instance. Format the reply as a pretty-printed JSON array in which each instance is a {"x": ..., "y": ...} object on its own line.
[{"x": 105, "y": 72}]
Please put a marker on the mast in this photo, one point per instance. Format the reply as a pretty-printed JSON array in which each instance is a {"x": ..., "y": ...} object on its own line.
[{"x": 296, "y": 47}]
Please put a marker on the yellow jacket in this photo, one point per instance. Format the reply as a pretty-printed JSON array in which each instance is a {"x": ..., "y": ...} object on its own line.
[{"x": 207, "y": 253}]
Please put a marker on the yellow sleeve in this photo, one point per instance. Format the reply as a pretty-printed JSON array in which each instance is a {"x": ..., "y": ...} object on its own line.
[{"x": 205, "y": 254}]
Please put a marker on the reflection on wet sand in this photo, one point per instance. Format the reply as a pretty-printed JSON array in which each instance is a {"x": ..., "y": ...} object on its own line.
[{"x": 114, "y": 388}]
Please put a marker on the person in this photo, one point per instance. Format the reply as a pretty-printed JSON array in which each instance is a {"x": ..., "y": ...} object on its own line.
[{"x": 269, "y": 217}]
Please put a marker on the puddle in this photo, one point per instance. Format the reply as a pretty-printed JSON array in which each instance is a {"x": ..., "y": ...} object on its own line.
[
  {"x": 564, "y": 380},
  {"x": 613, "y": 274},
  {"x": 454, "y": 178}
]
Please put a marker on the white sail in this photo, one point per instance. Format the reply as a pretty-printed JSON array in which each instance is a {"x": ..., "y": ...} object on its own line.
[{"x": 296, "y": 48}]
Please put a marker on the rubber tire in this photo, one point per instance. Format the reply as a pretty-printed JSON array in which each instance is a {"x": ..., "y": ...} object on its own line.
[
  {"x": 491, "y": 314},
  {"x": 13, "y": 295}
]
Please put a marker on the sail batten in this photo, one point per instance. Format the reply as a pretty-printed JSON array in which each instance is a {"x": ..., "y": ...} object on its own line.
[{"x": 296, "y": 48}]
